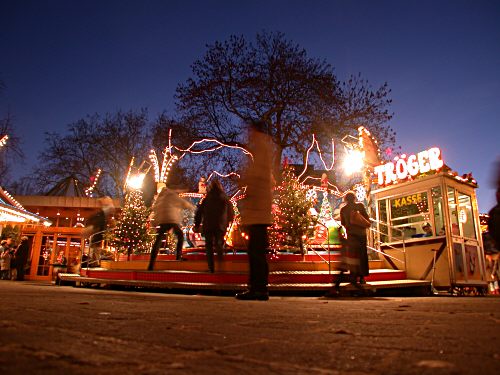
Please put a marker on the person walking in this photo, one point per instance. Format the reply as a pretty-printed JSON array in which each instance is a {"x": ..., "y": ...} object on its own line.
[
  {"x": 4, "y": 261},
  {"x": 355, "y": 254},
  {"x": 214, "y": 215},
  {"x": 21, "y": 257},
  {"x": 167, "y": 214},
  {"x": 494, "y": 222},
  {"x": 256, "y": 214},
  {"x": 95, "y": 227}
]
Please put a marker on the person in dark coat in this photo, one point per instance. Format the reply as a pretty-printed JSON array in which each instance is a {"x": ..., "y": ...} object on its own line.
[
  {"x": 355, "y": 255},
  {"x": 494, "y": 222},
  {"x": 214, "y": 214},
  {"x": 21, "y": 255}
]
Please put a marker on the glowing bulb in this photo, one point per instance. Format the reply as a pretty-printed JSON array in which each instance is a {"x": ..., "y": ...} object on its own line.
[
  {"x": 353, "y": 161},
  {"x": 135, "y": 182}
]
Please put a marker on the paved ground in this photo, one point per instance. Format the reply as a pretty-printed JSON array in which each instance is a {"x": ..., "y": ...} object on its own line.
[{"x": 46, "y": 329}]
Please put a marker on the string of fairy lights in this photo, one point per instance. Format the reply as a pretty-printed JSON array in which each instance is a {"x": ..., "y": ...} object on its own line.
[
  {"x": 94, "y": 179},
  {"x": 172, "y": 154}
]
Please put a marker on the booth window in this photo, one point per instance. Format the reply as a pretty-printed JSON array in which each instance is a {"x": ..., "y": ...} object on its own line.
[
  {"x": 462, "y": 218},
  {"x": 383, "y": 228},
  {"x": 452, "y": 207},
  {"x": 438, "y": 209},
  {"x": 465, "y": 216},
  {"x": 410, "y": 215}
]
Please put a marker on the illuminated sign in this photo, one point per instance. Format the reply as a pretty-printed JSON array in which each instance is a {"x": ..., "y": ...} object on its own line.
[
  {"x": 409, "y": 205},
  {"x": 407, "y": 167},
  {"x": 408, "y": 200}
]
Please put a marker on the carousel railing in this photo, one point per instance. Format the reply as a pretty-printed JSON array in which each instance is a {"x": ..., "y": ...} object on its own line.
[
  {"x": 377, "y": 243},
  {"x": 91, "y": 262},
  {"x": 327, "y": 261}
]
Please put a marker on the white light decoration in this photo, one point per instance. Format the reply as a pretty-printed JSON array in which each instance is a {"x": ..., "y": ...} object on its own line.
[
  {"x": 11, "y": 200},
  {"x": 135, "y": 182},
  {"x": 315, "y": 143},
  {"x": 311, "y": 195},
  {"x": 169, "y": 158},
  {"x": 406, "y": 167},
  {"x": 353, "y": 161},
  {"x": 360, "y": 192},
  {"x": 223, "y": 175},
  {"x": 90, "y": 189}
]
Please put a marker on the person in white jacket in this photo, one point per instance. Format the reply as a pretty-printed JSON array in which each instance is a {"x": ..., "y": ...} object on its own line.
[
  {"x": 167, "y": 214},
  {"x": 256, "y": 214}
]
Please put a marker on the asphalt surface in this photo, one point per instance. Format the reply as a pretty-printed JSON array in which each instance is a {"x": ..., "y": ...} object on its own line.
[{"x": 47, "y": 329}]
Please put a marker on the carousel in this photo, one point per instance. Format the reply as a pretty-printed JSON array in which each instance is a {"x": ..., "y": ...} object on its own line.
[{"x": 424, "y": 234}]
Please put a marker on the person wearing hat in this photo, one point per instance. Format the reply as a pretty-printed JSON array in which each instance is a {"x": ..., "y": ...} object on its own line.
[
  {"x": 427, "y": 230},
  {"x": 21, "y": 257}
]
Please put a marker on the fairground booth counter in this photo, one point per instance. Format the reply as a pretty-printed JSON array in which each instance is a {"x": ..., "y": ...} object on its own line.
[{"x": 428, "y": 222}]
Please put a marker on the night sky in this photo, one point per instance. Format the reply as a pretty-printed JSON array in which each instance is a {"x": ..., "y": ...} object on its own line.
[{"x": 62, "y": 60}]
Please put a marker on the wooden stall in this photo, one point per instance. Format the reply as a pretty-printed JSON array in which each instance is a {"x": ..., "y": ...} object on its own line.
[{"x": 428, "y": 223}]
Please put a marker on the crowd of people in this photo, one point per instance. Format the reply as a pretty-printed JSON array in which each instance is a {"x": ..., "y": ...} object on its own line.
[
  {"x": 214, "y": 214},
  {"x": 13, "y": 258}
]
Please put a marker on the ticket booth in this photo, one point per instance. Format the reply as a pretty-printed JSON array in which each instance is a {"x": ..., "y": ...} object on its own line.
[{"x": 429, "y": 226}]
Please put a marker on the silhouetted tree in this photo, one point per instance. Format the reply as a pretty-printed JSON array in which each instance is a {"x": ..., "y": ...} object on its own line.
[
  {"x": 11, "y": 152},
  {"x": 274, "y": 80},
  {"x": 107, "y": 142}
]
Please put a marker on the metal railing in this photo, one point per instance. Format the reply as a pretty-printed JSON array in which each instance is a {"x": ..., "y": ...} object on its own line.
[
  {"x": 328, "y": 249},
  {"x": 90, "y": 258},
  {"x": 377, "y": 243}
]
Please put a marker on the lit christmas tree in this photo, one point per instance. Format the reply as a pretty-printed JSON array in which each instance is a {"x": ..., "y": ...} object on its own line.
[
  {"x": 292, "y": 221},
  {"x": 132, "y": 229},
  {"x": 325, "y": 213}
]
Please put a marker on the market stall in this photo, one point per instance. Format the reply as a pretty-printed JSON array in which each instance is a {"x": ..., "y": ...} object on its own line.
[{"x": 428, "y": 222}]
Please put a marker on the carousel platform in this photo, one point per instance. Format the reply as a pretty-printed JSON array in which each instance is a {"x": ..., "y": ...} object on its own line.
[{"x": 288, "y": 273}]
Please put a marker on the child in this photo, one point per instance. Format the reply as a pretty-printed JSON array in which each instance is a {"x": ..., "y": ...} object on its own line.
[{"x": 4, "y": 261}]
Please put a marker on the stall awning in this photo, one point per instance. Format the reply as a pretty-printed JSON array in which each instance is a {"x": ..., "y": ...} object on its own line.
[{"x": 12, "y": 211}]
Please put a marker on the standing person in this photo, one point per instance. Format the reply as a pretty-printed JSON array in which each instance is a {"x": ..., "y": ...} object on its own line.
[
  {"x": 21, "y": 256},
  {"x": 214, "y": 214},
  {"x": 96, "y": 226},
  {"x": 494, "y": 222},
  {"x": 167, "y": 214},
  {"x": 256, "y": 214},
  {"x": 4, "y": 260},
  {"x": 355, "y": 252}
]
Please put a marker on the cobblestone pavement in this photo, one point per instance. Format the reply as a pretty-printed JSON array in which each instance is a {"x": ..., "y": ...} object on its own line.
[{"x": 45, "y": 329}]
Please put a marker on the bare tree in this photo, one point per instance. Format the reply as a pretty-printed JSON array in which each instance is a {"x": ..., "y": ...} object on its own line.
[
  {"x": 107, "y": 143},
  {"x": 274, "y": 80},
  {"x": 11, "y": 152}
]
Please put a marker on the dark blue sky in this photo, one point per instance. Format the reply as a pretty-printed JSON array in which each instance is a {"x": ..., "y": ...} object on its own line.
[{"x": 62, "y": 60}]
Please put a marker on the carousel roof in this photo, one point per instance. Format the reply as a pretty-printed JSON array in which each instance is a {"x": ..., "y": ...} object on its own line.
[
  {"x": 68, "y": 187},
  {"x": 12, "y": 211}
]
